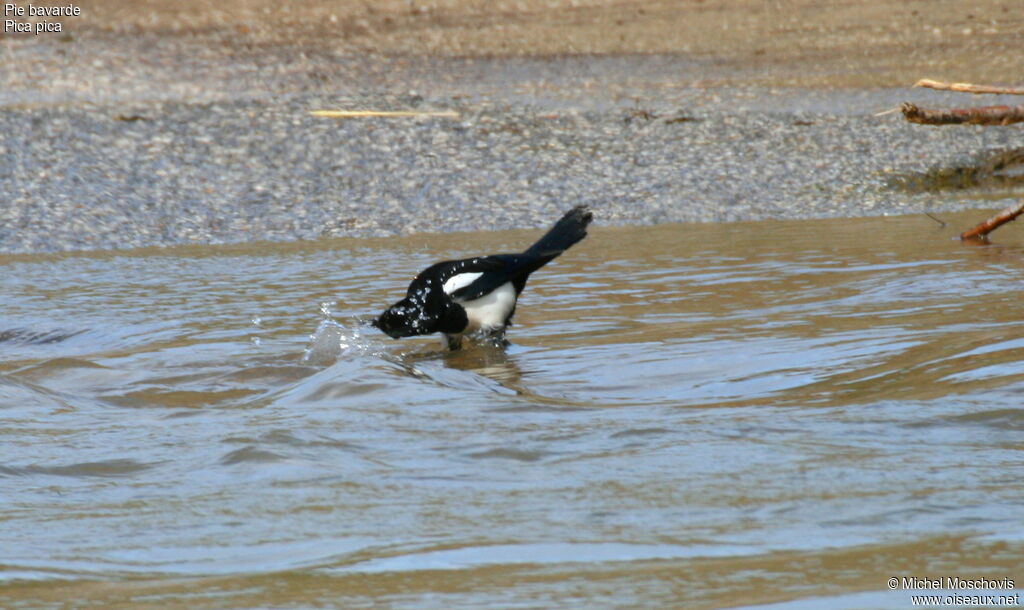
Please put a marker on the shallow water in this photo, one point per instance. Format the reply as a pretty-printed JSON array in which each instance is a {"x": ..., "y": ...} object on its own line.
[{"x": 689, "y": 415}]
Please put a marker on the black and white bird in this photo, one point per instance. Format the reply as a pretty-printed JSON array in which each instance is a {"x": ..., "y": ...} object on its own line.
[{"x": 477, "y": 295}]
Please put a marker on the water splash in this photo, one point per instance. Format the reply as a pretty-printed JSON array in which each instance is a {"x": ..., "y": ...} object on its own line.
[{"x": 333, "y": 340}]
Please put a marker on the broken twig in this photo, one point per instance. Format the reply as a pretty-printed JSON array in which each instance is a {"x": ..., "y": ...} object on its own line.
[
  {"x": 968, "y": 87},
  {"x": 942, "y": 223},
  {"x": 981, "y": 231},
  {"x": 983, "y": 115}
]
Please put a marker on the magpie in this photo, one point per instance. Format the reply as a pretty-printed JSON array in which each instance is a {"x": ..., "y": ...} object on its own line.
[{"x": 477, "y": 295}]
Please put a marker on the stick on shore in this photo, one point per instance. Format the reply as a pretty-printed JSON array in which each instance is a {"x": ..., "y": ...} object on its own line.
[
  {"x": 982, "y": 115},
  {"x": 356, "y": 114},
  {"x": 968, "y": 87}
]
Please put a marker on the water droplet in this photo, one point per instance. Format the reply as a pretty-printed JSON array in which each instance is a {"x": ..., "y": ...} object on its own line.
[{"x": 327, "y": 307}]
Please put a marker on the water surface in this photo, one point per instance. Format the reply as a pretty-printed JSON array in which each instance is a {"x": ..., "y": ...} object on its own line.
[{"x": 689, "y": 415}]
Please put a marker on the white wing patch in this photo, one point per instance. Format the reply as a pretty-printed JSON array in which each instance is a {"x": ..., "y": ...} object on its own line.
[
  {"x": 490, "y": 311},
  {"x": 461, "y": 280}
]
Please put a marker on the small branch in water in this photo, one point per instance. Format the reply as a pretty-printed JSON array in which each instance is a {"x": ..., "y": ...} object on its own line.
[
  {"x": 942, "y": 223},
  {"x": 980, "y": 232},
  {"x": 968, "y": 87},
  {"x": 983, "y": 115}
]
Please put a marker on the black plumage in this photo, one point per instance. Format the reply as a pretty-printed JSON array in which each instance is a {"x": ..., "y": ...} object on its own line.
[{"x": 477, "y": 294}]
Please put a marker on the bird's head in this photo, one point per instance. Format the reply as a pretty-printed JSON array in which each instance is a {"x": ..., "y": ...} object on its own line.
[
  {"x": 405, "y": 318},
  {"x": 422, "y": 313}
]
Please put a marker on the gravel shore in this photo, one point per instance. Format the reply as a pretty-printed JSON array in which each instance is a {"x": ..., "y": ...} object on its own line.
[
  {"x": 159, "y": 138},
  {"x": 101, "y": 177}
]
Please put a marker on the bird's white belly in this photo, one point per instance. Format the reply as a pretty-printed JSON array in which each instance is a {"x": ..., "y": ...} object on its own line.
[{"x": 490, "y": 311}]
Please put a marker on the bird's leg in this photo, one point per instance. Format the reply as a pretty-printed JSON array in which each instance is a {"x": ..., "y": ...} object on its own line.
[{"x": 497, "y": 338}]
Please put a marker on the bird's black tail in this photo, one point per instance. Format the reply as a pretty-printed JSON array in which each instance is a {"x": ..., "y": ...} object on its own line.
[{"x": 570, "y": 229}]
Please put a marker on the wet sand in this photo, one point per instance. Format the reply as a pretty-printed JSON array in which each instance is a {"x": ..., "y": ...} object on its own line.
[
  {"x": 161, "y": 123},
  {"x": 736, "y": 42}
]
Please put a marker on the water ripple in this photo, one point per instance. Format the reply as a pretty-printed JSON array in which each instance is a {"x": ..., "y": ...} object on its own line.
[{"x": 679, "y": 406}]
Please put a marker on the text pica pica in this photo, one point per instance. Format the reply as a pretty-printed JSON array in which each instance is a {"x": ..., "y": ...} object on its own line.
[{"x": 477, "y": 295}]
